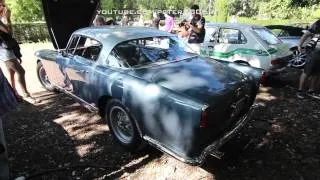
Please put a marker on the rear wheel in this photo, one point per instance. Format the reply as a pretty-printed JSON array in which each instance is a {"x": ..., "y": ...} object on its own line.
[
  {"x": 299, "y": 59},
  {"x": 43, "y": 78},
  {"x": 122, "y": 125}
]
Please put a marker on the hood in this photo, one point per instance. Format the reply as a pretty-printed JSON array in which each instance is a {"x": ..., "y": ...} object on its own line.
[
  {"x": 63, "y": 17},
  {"x": 196, "y": 78}
]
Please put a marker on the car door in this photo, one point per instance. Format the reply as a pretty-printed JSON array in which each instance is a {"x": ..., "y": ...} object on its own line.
[
  {"x": 228, "y": 44},
  {"x": 210, "y": 40},
  {"x": 79, "y": 67}
]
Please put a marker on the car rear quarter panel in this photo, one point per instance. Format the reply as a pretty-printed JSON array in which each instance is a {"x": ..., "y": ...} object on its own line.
[{"x": 160, "y": 113}]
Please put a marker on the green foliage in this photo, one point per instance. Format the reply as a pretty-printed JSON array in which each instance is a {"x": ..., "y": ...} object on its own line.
[
  {"x": 221, "y": 10},
  {"x": 246, "y": 8},
  {"x": 25, "y": 10},
  {"x": 276, "y": 9},
  {"x": 30, "y": 32}
]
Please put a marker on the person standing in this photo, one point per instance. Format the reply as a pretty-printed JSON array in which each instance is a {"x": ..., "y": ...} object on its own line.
[
  {"x": 197, "y": 29},
  {"x": 169, "y": 22},
  {"x": 5, "y": 15},
  {"x": 8, "y": 56},
  {"x": 125, "y": 20},
  {"x": 99, "y": 21},
  {"x": 155, "y": 20},
  {"x": 7, "y": 103},
  {"x": 312, "y": 67}
]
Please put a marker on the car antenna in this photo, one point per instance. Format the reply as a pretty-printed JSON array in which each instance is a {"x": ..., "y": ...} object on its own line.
[{"x": 54, "y": 38}]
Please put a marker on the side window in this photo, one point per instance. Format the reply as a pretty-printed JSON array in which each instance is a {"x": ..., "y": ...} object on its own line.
[
  {"x": 86, "y": 47},
  {"x": 114, "y": 60},
  {"x": 210, "y": 31},
  {"x": 72, "y": 44},
  {"x": 232, "y": 36}
]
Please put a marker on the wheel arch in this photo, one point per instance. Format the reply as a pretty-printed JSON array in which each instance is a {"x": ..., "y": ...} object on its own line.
[{"x": 242, "y": 62}]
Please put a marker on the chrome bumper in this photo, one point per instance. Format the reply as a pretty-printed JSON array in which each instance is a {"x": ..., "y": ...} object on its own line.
[{"x": 213, "y": 149}]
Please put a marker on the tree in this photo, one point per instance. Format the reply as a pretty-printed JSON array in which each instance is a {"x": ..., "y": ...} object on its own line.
[
  {"x": 247, "y": 8},
  {"x": 25, "y": 10},
  {"x": 221, "y": 10}
]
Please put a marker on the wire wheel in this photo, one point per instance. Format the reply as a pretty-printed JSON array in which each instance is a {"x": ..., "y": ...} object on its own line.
[{"x": 121, "y": 124}]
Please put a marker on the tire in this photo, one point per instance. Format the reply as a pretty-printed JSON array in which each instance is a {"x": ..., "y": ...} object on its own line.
[
  {"x": 299, "y": 59},
  {"x": 43, "y": 78},
  {"x": 122, "y": 125}
]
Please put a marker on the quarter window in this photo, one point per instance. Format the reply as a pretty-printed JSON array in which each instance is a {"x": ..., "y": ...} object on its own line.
[
  {"x": 85, "y": 47},
  {"x": 232, "y": 36}
]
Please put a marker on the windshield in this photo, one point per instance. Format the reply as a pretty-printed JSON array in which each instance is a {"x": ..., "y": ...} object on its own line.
[
  {"x": 267, "y": 36},
  {"x": 145, "y": 51}
]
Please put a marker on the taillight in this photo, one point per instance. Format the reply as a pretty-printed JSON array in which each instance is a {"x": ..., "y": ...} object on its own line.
[
  {"x": 264, "y": 78},
  {"x": 204, "y": 117},
  {"x": 275, "y": 62}
]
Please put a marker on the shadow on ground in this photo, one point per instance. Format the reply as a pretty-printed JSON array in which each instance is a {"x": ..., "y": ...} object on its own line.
[{"x": 60, "y": 139}]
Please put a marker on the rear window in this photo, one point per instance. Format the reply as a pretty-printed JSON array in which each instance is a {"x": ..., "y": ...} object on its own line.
[{"x": 267, "y": 36}]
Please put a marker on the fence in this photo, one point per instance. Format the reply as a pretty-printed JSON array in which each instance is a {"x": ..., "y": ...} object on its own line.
[{"x": 30, "y": 32}]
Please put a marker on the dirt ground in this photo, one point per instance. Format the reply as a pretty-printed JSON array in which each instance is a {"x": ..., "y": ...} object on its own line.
[{"x": 58, "y": 139}]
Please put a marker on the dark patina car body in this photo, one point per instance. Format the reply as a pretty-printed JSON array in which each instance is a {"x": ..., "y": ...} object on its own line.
[{"x": 184, "y": 105}]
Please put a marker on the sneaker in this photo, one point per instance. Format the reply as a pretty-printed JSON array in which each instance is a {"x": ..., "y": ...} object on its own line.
[
  {"x": 300, "y": 95},
  {"x": 313, "y": 95}
]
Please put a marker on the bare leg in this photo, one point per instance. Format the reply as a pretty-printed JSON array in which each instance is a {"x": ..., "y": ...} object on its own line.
[
  {"x": 14, "y": 67},
  {"x": 313, "y": 83},
  {"x": 12, "y": 81},
  {"x": 303, "y": 78}
]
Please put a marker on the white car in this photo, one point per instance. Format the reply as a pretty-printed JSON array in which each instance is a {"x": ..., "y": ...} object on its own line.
[{"x": 251, "y": 45}]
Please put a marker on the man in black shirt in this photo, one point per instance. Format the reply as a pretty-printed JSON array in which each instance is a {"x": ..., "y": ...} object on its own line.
[
  {"x": 312, "y": 66},
  {"x": 196, "y": 25}
]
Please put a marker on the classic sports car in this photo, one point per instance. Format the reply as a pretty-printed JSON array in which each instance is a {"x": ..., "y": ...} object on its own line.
[{"x": 149, "y": 88}]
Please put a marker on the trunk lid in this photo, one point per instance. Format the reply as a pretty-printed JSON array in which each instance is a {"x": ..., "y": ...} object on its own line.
[{"x": 205, "y": 80}]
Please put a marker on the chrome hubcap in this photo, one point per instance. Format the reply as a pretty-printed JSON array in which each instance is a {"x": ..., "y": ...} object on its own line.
[
  {"x": 121, "y": 124},
  {"x": 299, "y": 59},
  {"x": 44, "y": 77}
]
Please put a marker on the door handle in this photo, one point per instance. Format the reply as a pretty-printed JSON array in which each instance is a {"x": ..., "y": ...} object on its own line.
[{"x": 83, "y": 71}]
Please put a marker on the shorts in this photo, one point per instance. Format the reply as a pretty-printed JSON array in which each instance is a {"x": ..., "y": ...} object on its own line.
[
  {"x": 312, "y": 66},
  {"x": 6, "y": 55}
]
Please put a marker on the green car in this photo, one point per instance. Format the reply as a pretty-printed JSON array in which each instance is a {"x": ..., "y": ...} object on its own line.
[{"x": 251, "y": 45}]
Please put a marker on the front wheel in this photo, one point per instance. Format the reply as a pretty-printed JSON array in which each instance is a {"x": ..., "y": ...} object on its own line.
[
  {"x": 43, "y": 77},
  {"x": 122, "y": 125}
]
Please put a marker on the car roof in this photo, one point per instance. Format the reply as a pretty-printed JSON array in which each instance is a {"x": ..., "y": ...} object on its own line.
[
  {"x": 110, "y": 36},
  {"x": 113, "y": 35},
  {"x": 233, "y": 25}
]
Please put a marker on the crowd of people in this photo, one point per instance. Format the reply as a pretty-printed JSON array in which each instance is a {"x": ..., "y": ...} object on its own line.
[{"x": 190, "y": 30}]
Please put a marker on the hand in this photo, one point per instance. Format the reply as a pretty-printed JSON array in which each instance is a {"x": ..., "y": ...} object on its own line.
[{"x": 299, "y": 49}]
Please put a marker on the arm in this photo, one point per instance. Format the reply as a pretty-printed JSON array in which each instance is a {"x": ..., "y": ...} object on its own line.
[
  {"x": 199, "y": 27},
  {"x": 3, "y": 27},
  {"x": 303, "y": 39},
  {"x": 8, "y": 14}
]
